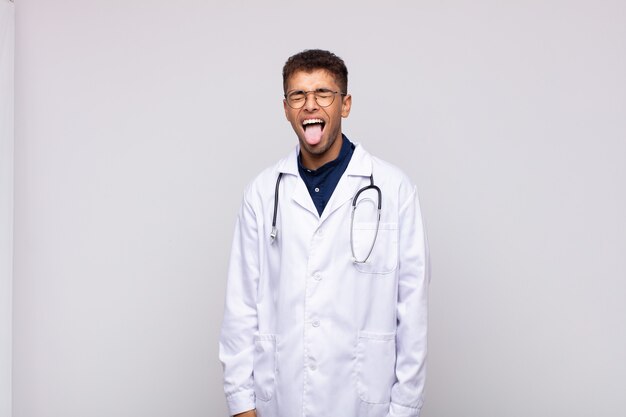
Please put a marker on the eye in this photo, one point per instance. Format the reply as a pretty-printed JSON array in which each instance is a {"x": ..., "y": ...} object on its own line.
[
  {"x": 296, "y": 96},
  {"x": 323, "y": 93}
]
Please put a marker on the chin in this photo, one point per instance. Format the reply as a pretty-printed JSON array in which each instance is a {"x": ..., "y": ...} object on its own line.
[{"x": 319, "y": 149}]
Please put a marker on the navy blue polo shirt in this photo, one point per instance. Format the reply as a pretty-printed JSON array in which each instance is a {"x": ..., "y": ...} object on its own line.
[{"x": 322, "y": 182}]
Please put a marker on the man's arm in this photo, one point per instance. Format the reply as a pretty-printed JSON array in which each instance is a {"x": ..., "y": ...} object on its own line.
[
  {"x": 412, "y": 310},
  {"x": 251, "y": 413},
  {"x": 236, "y": 348}
]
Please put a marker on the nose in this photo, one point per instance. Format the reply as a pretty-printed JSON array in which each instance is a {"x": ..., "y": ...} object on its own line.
[{"x": 310, "y": 103}]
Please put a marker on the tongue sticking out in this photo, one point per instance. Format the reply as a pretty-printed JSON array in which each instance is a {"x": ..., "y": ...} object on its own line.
[{"x": 313, "y": 134}]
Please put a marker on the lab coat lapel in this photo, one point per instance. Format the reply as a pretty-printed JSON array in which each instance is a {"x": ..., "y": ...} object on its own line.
[
  {"x": 302, "y": 197},
  {"x": 360, "y": 167},
  {"x": 299, "y": 192},
  {"x": 346, "y": 188}
]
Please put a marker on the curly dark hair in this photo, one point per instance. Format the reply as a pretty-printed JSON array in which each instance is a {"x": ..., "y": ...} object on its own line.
[{"x": 315, "y": 59}]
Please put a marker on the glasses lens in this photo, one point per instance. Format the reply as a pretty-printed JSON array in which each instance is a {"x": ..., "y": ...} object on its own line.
[
  {"x": 296, "y": 99},
  {"x": 324, "y": 97}
]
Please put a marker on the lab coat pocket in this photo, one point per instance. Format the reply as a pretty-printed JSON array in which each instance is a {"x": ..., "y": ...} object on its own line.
[
  {"x": 384, "y": 256},
  {"x": 264, "y": 373},
  {"x": 375, "y": 366}
]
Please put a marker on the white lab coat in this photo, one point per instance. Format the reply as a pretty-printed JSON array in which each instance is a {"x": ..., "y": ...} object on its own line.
[{"x": 308, "y": 332}]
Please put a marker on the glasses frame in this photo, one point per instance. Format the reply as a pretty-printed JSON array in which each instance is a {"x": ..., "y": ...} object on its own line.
[{"x": 306, "y": 94}]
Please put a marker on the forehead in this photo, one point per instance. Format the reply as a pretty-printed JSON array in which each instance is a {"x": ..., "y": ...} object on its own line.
[{"x": 311, "y": 80}]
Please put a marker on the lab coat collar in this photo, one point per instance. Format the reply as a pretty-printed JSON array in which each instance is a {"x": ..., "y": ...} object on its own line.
[
  {"x": 360, "y": 163},
  {"x": 360, "y": 167}
]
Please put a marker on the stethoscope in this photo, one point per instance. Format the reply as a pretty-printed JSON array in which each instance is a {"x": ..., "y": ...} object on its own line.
[{"x": 371, "y": 186}]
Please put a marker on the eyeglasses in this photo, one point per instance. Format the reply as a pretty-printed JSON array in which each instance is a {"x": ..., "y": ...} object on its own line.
[{"x": 323, "y": 97}]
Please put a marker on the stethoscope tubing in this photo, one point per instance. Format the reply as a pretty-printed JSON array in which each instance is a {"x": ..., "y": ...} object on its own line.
[
  {"x": 371, "y": 186},
  {"x": 354, "y": 201},
  {"x": 274, "y": 232}
]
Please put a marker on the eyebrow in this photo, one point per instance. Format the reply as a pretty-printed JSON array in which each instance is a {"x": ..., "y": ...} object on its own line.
[{"x": 317, "y": 89}]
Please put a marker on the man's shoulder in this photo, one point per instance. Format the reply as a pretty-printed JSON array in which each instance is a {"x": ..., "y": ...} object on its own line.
[
  {"x": 388, "y": 169},
  {"x": 383, "y": 170},
  {"x": 268, "y": 176}
]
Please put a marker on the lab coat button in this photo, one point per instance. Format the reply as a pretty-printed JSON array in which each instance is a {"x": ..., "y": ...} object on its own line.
[
  {"x": 316, "y": 323},
  {"x": 317, "y": 276},
  {"x": 312, "y": 367}
]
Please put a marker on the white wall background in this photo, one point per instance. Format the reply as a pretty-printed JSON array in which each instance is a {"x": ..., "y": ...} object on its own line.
[
  {"x": 7, "y": 39},
  {"x": 138, "y": 123}
]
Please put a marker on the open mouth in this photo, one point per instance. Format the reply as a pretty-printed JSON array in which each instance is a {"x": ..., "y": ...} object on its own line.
[{"x": 313, "y": 129}]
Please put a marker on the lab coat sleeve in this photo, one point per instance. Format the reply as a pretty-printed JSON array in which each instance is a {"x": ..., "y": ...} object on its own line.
[
  {"x": 236, "y": 347},
  {"x": 412, "y": 309}
]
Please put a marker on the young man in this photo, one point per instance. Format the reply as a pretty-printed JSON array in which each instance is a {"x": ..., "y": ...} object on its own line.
[{"x": 326, "y": 304}]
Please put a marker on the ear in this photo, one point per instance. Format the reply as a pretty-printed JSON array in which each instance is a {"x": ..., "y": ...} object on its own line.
[
  {"x": 286, "y": 108},
  {"x": 346, "y": 105}
]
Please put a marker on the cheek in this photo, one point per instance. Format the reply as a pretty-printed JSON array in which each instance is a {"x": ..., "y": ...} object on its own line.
[
  {"x": 292, "y": 117},
  {"x": 335, "y": 116}
]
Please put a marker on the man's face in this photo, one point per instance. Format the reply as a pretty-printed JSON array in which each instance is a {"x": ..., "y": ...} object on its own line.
[{"x": 318, "y": 128}]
